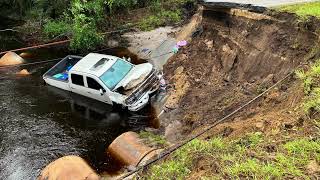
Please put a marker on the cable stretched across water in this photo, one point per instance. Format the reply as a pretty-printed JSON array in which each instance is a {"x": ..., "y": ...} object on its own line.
[
  {"x": 173, "y": 149},
  {"x": 56, "y": 59}
]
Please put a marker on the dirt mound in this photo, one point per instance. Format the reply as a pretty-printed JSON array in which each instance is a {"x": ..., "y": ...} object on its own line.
[{"x": 233, "y": 60}]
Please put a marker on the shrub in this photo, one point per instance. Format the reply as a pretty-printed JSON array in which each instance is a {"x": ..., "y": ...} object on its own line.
[
  {"x": 56, "y": 28},
  {"x": 116, "y": 4},
  {"x": 85, "y": 38},
  {"x": 163, "y": 17}
]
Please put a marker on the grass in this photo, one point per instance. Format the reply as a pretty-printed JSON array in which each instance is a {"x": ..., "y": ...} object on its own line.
[
  {"x": 153, "y": 139},
  {"x": 245, "y": 158},
  {"x": 164, "y": 13},
  {"x": 254, "y": 155},
  {"x": 303, "y": 10},
  {"x": 311, "y": 86}
]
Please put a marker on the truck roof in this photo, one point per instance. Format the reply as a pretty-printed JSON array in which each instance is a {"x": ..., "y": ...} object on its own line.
[{"x": 94, "y": 63}]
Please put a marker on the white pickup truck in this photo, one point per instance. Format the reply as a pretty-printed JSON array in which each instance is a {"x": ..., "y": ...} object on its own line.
[{"x": 105, "y": 78}]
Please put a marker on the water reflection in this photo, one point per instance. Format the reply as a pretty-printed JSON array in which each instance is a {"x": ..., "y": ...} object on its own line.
[{"x": 97, "y": 115}]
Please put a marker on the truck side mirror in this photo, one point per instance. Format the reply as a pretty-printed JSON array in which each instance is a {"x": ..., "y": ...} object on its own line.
[{"x": 102, "y": 91}]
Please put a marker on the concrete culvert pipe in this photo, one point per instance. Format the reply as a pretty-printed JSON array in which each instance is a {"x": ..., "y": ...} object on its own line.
[
  {"x": 68, "y": 168},
  {"x": 130, "y": 151},
  {"x": 10, "y": 58}
]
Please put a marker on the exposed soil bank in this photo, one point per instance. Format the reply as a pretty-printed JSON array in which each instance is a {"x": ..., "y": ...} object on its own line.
[{"x": 231, "y": 61}]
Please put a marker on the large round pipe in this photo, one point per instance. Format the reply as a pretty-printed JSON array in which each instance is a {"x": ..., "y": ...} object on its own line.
[
  {"x": 10, "y": 58},
  {"x": 68, "y": 167},
  {"x": 129, "y": 149}
]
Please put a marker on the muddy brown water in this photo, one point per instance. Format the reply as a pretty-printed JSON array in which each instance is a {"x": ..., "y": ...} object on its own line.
[{"x": 40, "y": 123}]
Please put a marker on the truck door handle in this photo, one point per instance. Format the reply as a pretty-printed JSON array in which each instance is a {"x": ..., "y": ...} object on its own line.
[{"x": 89, "y": 92}]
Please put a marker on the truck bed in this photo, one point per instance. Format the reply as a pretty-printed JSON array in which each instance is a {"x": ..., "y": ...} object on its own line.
[{"x": 60, "y": 70}]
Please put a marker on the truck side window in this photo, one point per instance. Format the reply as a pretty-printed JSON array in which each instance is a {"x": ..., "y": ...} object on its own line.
[
  {"x": 77, "y": 79},
  {"x": 93, "y": 84}
]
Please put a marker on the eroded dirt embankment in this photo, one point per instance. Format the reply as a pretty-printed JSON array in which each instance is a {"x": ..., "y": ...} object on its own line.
[{"x": 230, "y": 62}]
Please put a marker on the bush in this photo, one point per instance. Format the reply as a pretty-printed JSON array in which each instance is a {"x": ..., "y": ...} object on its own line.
[
  {"x": 56, "y": 28},
  {"x": 164, "y": 17},
  {"x": 124, "y": 4},
  {"x": 85, "y": 38}
]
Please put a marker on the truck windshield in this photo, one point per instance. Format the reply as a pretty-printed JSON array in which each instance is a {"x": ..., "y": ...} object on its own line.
[{"x": 116, "y": 73}]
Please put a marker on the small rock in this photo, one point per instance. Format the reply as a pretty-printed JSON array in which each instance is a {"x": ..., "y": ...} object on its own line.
[
  {"x": 131, "y": 168},
  {"x": 288, "y": 126},
  {"x": 228, "y": 58},
  {"x": 313, "y": 167},
  {"x": 268, "y": 81},
  {"x": 209, "y": 44},
  {"x": 179, "y": 70},
  {"x": 172, "y": 131},
  {"x": 259, "y": 125},
  {"x": 183, "y": 57},
  {"x": 153, "y": 130},
  {"x": 113, "y": 43},
  {"x": 227, "y": 131},
  {"x": 227, "y": 77}
]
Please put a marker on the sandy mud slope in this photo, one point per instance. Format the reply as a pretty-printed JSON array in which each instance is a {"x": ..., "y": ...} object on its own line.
[{"x": 230, "y": 62}]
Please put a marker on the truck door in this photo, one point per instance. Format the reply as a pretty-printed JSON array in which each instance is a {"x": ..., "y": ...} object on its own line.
[
  {"x": 96, "y": 91},
  {"x": 77, "y": 84}
]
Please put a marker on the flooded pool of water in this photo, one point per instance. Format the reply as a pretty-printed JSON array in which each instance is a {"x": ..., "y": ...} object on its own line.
[{"x": 40, "y": 123}]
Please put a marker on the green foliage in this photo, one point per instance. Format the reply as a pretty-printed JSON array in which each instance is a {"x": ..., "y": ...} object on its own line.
[
  {"x": 15, "y": 8},
  {"x": 302, "y": 147},
  {"x": 117, "y": 4},
  {"x": 153, "y": 139},
  {"x": 56, "y": 28},
  {"x": 303, "y": 10},
  {"x": 86, "y": 16},
  {"x": 162, "y": 18},
  {"x": 251, "y": 139},
  {"x": 248, "y": 168},
  {"x": 311, "y": 85},
  {"x": 243, "y": 158},
  {"x": 169, "y": 170},
  {"x": 81, "y": 22},
  {"x": 181, "y": 163},
  {"x": 164, "y": 13},
  {"x": 85, "y": 37}
]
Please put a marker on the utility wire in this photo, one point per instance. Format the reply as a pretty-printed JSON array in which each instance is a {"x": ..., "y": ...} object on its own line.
[
  {"x": 56, "y": 59},
  {"x": 171, "y": 150}
]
